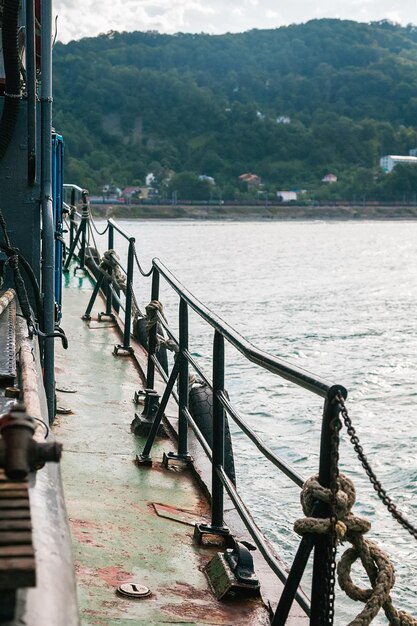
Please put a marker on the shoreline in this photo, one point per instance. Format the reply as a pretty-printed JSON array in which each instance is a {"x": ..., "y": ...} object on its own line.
[{"x": 235, "y": 213}]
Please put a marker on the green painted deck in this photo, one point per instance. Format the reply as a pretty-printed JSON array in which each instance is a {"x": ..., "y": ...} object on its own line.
[{"x": 117, "y": 534}]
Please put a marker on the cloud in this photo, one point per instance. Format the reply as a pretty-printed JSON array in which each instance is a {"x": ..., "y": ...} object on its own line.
[{"x": 83, "y": 18}]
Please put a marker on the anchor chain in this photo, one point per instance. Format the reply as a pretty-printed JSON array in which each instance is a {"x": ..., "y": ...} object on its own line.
[
  {"x": 382, "y": 494},
  {"x": 329, "y": 604}
]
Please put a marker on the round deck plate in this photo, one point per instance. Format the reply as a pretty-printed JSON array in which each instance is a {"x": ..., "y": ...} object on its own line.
[{"x": 133, "y": 590}]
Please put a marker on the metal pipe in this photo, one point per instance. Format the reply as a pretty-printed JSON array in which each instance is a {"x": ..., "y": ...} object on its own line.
[
  {"x": 150, "y": 374},
  {"x": 218, "y": 431},
  {"x": 290, "y": 372},
  {"x": 48, "y": 234},
  {"x": 109, "y": 291},
  {"x": 320, "y": 588},
  {"x": 31, "y": 90},
  {"x": 119, "y": 229},
  {"x": 129, "y": 289},
  {"x": 183, "y": 380},
  {"x": 158, "y": 417}
]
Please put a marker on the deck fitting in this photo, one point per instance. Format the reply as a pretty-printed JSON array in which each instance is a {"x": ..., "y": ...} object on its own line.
[
  {"x": 106, "y": 317},
  {"x": 123, "y": 350},
  {"x": 145, "y": 461},
  {"x": 172, "y": 456},
  {"x": 142, "y": 426},
  {"x": 223, "y": 581},
  {"x": 207, "y": 535},
  {"x": 133, "y": 590}
]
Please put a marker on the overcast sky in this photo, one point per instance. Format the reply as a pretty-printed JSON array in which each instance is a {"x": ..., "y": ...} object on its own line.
[{"x": 86, "y": 18}]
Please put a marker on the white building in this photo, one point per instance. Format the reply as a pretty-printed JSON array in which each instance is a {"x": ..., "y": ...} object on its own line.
[
  {"x": 286, "y": 196},
  {"x": 329, "y": 178},
  {"x": 389, "y": 161}
]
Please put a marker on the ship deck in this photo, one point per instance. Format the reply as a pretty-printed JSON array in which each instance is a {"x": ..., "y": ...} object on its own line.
[{"x": 128, "y": 523}]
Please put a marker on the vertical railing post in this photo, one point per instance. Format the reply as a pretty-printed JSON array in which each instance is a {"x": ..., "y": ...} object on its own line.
[
  {"x": 218, "y": 431},
  {"x": 183, "y": 380},
  {"x": 150, "y": 374},
  {"x": 129, "y": 290},
  {"x": 320, "y": 590},
  {"x": 109, "y": 293},
  {"x": 84, "y": 227},
  {"x": 71, "y": 216},
  {"x": 126, "y": 347}
]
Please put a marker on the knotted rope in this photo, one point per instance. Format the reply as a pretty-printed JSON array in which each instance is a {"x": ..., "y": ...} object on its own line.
[
  {"x": 152, "y": 309},
  {"x": 111, "y": 260},
  {"x": 351, "y": 528}
]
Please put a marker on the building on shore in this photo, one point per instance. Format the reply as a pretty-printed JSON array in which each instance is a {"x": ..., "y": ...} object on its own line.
[{"x": 389, "y": 161}]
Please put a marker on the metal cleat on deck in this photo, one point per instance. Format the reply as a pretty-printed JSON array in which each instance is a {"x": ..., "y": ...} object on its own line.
[{"x": 232, "y": 574}]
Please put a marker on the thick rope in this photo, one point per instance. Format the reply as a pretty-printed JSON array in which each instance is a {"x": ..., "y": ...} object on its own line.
[{"x": 351, "y": 528}]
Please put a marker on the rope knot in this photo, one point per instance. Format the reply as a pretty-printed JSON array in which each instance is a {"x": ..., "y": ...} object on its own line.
[
  {"x": 152, "y": 309},
  {"x": 346, "y": 524},
  {"x": 376, "y": 563}
]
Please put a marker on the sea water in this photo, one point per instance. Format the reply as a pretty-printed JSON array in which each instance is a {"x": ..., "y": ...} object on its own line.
[{"x": 338, "y": 299}]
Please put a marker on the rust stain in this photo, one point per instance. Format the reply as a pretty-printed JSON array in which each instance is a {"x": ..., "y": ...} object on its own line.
[
  {"x": 203, "y": 611},
  {"x": 113, "y": 575},
  {"x": 188, "y": 591},
  {"x": 82, "y": 531}
]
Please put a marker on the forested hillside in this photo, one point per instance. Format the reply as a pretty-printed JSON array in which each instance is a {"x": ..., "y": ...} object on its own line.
[{"x": 289, "y": 105}]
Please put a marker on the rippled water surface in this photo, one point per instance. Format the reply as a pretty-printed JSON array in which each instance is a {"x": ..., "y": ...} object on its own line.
[{"x": 338, "y": 299}]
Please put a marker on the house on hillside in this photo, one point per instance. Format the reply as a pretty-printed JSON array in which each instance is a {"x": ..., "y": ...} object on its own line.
[
  {"x": 130, "y": 192},
  {"x": 389, "y": 161},
  {"x": 329, "y": 178},
  {"x": 252, "y": 180},
  {"x": 287, "y": 196}
]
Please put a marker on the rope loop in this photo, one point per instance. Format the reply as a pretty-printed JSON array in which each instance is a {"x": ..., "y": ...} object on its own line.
[
  {"x": 152, "y": 309},
  {"x": 349, "y": 527},
  {"x": 346, "y": 524},
  {"x": 111, "y": 261}
]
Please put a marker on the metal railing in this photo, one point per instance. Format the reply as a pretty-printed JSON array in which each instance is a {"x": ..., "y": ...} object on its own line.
[{"x": 222, "y": 406}]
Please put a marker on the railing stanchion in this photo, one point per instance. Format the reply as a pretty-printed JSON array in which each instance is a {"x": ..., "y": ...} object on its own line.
[
  {"x": 150, "y": 374},
  {"x": 109, "y": 293},
  {"x": 126, "y": 347},
  {"x": 321, "y": 588},
  {"x": 183, "y": 380},
  {"x": 218, "y": 431},
  {"x": 129, "y": 289},
  {"x": 84, "y": 223}
]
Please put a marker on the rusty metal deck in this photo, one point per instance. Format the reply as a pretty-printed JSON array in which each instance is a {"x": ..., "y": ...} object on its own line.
[{"x": 129, "y": 524}]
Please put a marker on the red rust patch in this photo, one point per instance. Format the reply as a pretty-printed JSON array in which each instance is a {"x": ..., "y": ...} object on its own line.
[
  {"x": 189, "y": 591},
  {"x": 113, "y": 575}
]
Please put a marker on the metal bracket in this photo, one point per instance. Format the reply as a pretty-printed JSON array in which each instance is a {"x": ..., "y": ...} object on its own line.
[
  {"x": 208, "y": 535},
  {"x": 151, "y": 404},
  {"x": 223, "y": 579},
  {"x": 123, "y": 350},
  {"x": 144, "y": 461},
  {"x": 106, "y": 317},
  {"x": 240, "y": 561},
  {"x": 171, "y": 456}
]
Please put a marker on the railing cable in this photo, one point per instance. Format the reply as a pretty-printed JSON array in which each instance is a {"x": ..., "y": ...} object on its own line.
[{"x": 146, "y": 274}]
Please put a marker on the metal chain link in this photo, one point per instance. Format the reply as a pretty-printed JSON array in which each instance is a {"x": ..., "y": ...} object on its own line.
[
  {"x": 382, "y": 494},
  {"x": 335, "y": 426}
]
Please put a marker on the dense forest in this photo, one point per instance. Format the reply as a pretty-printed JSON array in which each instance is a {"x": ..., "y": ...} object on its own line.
[{"x": 289, "y": 105}]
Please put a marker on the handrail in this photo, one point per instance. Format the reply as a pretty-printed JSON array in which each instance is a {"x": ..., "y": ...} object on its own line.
[
  {"x": 120, "y": 230},
  {"x": 290, "y": 372},
  {"x": 222, "y": 406}
]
